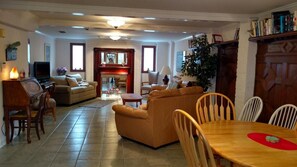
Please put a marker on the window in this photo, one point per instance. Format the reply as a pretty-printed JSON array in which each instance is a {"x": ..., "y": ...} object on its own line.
[
  {"x": 77, "y": 57},
  {"x": 148, "y": 58}
]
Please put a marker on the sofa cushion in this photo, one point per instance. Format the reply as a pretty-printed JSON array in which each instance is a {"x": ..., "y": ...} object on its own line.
[
  {"x": 72, "y": 82},
  {"x": 79, "y": 89},
  {"x": 191, "y": 90},
  {"x": 76, "y": 76},
  {"x": 59, "y": 80}
]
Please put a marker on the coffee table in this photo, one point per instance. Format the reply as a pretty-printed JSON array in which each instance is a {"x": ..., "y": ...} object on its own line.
[{"x": 131, "y": 97}]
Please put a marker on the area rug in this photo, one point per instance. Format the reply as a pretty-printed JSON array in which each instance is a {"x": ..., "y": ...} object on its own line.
[{"x": 95, "y": 103}]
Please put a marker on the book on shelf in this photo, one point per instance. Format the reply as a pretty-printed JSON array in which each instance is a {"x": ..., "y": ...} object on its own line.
[
  {"x": 280, "y": 22},
  {"x": 295, "y": 21}
]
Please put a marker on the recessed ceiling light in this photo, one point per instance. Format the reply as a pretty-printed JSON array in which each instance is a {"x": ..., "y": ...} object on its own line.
[
  {"x": 184, "y": 32},
  {"x": 149, "y": 30},
  {"x": 186, "y": 20},
  {"x": 78, "y": 14},
  {"x": 115, "y": 37},
  {"x": 150, "y": 18},
  {"x": 79, "y": 27}
]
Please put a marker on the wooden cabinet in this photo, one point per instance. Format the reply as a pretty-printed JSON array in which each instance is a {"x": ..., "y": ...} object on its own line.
[
  {"x": 276, "y": 71},
  {"x": 227, "y": 66}
]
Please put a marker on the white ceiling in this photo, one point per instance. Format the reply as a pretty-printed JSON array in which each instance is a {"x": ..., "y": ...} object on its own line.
[{"x": 175, "y": 19}]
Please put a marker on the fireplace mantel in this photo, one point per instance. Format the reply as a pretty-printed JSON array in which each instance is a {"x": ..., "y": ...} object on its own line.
[{"x": 114, "y": 69}]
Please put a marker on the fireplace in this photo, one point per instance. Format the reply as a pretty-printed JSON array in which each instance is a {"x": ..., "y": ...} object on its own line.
[{"x": 122, "y": 65}]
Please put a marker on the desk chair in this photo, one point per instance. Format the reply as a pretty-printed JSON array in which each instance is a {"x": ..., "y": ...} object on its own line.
[
  {"x": 36, "y": 111},
  {"x": 213, "y": 107},
  {"x": 197, "y": 151},
  {"x": 285, "y": 116},
  {"x": 251, "y": 109}
]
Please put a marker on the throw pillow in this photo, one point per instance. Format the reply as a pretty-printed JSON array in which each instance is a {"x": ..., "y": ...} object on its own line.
[
  {"x": 72, "y": 82},
  {"x": 172, "y": 85},
  {"x": 76, "y": 76}
]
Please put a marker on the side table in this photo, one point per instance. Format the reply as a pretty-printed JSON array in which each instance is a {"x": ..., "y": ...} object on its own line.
[{"x": 131, "y": 97}]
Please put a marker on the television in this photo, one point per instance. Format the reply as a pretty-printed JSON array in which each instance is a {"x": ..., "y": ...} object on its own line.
[{"x": 42, "y": 71}]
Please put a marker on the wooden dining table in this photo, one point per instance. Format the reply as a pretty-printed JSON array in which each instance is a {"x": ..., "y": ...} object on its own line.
[{"x": 230, "y": 140}]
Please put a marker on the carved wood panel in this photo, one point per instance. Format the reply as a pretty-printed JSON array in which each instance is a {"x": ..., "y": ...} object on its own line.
[
  {"x": 276, "y": 75},
  {"x": 227, "y": 66}
]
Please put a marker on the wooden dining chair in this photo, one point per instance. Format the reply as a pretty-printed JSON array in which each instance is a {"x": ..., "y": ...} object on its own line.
[
  {"x": 197, "y": 150},
  {"x": 214, "y": 106},
  {"x": 251, "y": 110},
  {"x": 36, "y": 111},
  {"x": 285, "y": 116}
]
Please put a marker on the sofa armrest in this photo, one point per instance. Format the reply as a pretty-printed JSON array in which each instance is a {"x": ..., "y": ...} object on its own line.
[
  {"x": 93, "y": 83},
  {"x": 130, "y": 111},
  {"x": 62, "y": 88}
]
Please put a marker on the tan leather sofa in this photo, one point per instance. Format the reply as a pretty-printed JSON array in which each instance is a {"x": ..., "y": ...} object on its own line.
[
  {"x": 67, "y": 93},
  {"x": 151, "y": 124}
]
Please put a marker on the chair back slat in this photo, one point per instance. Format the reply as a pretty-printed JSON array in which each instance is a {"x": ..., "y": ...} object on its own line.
[
  {"x": 251, "y": 109},
  {"x": 285, "y": 116},
  {"x": 215, "y": 106},
  {"x": 194, "y": 144}
]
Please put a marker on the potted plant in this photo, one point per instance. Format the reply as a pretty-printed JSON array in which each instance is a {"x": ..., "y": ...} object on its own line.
[{"x": 202, "y": 63}]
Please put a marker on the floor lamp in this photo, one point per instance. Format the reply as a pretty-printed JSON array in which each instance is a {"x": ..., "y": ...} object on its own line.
[{"x": 165, "y": 71}]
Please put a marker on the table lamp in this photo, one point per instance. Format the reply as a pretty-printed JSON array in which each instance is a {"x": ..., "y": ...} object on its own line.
[{"x": 165, "y": 71}]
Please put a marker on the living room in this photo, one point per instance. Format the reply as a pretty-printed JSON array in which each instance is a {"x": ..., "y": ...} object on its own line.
[{"x": 16, "y": 29}]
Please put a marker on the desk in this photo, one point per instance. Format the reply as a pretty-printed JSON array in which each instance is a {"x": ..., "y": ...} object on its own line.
[
  {"x": 17, "y": 95},
  {"x": 229, "y": 140}
]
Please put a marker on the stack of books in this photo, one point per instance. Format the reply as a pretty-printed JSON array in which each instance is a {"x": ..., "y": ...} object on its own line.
[{"x": 280, "y": 22}]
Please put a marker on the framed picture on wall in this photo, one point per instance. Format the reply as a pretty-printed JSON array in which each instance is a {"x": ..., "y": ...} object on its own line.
[
  {"x": 11, "y": 54},
  {"x": 217, "y": 38},
  {"x": 47, "y": 52}
]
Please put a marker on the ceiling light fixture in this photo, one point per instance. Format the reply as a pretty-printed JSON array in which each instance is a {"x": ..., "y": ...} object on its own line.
[
  {"x": 116, "y": 23},
  {"x": 78, "y": 14},
  {"x": 150, "y": 18},
  {"x": 149, "y": 30},
  {"x": 115, "y": 37},
  {"x": 78, "y": 27}
]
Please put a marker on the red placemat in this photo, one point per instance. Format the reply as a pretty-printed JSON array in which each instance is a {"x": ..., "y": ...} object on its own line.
[{"x": 283, "y": 144}]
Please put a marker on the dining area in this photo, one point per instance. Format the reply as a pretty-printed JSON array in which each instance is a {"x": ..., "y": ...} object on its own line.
[{"x": 217, "y": 134}]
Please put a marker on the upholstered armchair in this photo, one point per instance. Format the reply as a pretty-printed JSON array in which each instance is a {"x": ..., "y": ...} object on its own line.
[{"x": 146, "y": 87}]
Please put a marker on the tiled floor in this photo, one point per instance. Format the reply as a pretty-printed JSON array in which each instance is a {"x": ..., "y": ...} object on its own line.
[{"x": 86, "y": 137}]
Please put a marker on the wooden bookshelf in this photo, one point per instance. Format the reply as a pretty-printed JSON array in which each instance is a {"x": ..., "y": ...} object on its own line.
[{"x": 275, "y": 37}]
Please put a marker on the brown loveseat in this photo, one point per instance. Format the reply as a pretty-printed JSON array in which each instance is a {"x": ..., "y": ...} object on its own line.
[
  {"x": 151, "y": 124},
  {"x": 71, "y": 89}
]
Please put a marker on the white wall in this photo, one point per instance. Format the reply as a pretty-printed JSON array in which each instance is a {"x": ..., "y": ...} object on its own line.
[
  {"x": 162, "y": 56},
  {"x": 37, "y": 46},
  {"x": 62, "y": 58}
]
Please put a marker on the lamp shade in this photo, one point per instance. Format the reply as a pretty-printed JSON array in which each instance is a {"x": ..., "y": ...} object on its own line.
[
  {"x": 14, "y": 74},
  {"x": 165, "y": 70}
]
